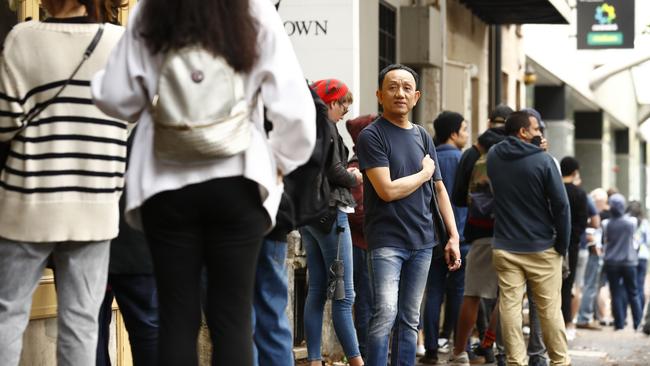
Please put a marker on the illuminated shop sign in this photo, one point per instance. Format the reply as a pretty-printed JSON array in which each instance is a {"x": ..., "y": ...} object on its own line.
[{"x": 605, "y": 24}]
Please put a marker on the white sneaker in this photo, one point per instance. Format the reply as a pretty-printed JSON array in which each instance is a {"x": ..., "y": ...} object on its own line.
[
  {"x": 443, "y": 345},
  {"x": 461, "y": 359},
  {"x": 570, "y": 334},
  {"x": 420, "y": 351}
]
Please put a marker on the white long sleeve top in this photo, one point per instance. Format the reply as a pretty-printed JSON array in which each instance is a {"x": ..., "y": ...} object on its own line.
[{"x": 277, "y": 77}]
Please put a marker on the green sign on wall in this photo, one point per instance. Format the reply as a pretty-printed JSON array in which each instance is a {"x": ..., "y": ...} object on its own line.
[{"x": 605, "y": 24}]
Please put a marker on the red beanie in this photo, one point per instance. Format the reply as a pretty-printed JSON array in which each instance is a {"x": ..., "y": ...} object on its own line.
[{"x": 330, "y": 90}]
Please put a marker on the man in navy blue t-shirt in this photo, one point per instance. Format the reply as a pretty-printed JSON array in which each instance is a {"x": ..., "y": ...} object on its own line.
[{"x": 398, "y": 160}]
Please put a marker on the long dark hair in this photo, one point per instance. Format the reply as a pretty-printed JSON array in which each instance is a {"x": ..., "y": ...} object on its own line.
[
  {"x": 103, "y": 11},
  {"x": 223, "y": 27}
]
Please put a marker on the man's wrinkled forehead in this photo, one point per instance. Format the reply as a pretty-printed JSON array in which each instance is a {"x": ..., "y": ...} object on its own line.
[{"x": 399, "y": 76}]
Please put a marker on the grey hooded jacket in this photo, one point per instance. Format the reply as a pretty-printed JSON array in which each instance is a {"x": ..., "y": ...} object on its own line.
[{"x": 619, "y": 235}]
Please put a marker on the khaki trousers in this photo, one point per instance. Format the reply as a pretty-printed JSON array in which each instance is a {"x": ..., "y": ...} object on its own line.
[{"x": 543, "y": 273}]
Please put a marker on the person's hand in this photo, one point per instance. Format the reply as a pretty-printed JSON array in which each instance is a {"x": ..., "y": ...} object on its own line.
[
  {"x": 357, "y": 174},
  {"x": 566, "y": 270},
  {"x": 452, "y": 254},
  {"x": 428, "y": 166},
  {"x": 544, "y": 144}
]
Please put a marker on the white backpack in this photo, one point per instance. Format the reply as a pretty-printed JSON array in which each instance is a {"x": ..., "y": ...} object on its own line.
[{"x": 199, "y": 111}]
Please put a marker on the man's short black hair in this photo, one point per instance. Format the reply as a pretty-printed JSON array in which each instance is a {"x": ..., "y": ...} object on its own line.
[
  {"x": 568, "y": 165},
  {"x": 389, "y": 68},
  {"x": 500, "y": 113},
  {"x": 445, "y": 125},
  {"x": 516, "y": 121}
]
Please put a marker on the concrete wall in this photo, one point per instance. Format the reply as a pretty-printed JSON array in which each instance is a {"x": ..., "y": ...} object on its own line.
[
  {"x": 608, "y": 158},
  {"x": 513, "y": 65},
  {"x": 467, "y": 42},
  {"x": 590, "y": 155},
  {"x": 560, "y": 135},
  {"x": 369, "y": 43}
]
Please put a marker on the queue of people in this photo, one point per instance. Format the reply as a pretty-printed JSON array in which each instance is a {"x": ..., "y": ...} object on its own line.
[{"x": 194, "y": 117}]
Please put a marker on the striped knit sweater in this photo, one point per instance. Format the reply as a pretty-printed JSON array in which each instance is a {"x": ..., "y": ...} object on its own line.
[{"x": 64, "y": 173}]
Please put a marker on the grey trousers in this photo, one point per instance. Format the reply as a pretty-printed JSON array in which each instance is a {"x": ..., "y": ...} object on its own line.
[{"x": 81, "y": 272}]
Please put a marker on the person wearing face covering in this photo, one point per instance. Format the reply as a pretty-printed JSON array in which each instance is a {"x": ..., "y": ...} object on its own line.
[{"x": 531, "y": 235}]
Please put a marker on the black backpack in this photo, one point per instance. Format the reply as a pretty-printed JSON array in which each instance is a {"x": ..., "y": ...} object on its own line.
[{"x": 306, "y": 190}]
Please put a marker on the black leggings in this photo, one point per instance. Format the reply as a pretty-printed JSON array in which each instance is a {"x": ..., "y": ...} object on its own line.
[{"x": 220, "y": 224}]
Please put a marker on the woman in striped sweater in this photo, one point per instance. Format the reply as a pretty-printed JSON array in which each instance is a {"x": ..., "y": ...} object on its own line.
[{"x": 60, "y": 186}]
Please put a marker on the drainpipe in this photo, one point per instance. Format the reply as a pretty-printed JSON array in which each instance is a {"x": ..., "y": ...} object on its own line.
[{"x": 495, "y": 55}]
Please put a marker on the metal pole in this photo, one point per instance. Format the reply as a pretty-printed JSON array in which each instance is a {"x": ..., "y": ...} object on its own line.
[{"x": 497, "y": 65}]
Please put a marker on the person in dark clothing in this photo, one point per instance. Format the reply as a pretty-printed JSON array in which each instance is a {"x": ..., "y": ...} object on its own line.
[
  {"x": 330, "y": 240},
  {"x": 273, "y": 341},
  {"x": 479, "y": 259},
  {"x": 531, "y": 234},
  {"x": 132, "y": 284},
  {"x": 579, "y": 216},
  {"x": 451, "y": 136},
  {"x": 362, "y": 301},
  {"x": 399, "y": 163}
]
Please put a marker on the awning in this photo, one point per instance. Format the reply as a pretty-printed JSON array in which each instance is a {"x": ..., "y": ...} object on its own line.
[{"x": 520, "y": 11}]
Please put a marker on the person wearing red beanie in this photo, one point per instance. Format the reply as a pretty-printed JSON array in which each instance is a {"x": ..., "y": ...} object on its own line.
[
  {"x": 336, "y": 95},
  {"x": 329, "y": 240}
]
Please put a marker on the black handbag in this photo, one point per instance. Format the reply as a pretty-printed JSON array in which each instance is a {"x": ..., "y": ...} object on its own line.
[
  {"x": 439, "y": 227},
  {"x": 5, "y": 147},
  {"x": 442, "y": 236}
]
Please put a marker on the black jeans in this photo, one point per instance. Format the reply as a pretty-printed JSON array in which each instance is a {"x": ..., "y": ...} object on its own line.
[{"x": 220, "y": 224}]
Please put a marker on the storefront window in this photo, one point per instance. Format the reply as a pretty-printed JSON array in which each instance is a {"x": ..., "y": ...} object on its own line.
[
  {"x": 387, "y": 35},
  {"x": 8, "y": 19}
]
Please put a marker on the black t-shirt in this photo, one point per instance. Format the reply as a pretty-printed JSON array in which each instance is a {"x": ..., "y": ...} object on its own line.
[
  {"x": 404, "y": 223},
  {"x": 579, "y": 211}
]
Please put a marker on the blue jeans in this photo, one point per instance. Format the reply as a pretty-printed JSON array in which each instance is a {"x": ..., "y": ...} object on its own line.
[
  {"x": 272, "y": 337},
  {"x": 628, "y": 286},
  {"x": 362, "y": 302},
  {"x": 590, "y": 289},
  {"x": 138, "y": 301},
  {"x": 398, "y": 278},
  {"x": 321, "y": 252},
  {"x": 441, "y": 282}
]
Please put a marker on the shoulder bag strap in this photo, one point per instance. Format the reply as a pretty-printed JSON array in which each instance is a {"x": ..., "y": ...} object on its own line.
[{"x": 89, "y": 51}]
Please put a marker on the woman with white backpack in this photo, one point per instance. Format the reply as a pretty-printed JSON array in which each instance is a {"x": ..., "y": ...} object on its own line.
[{"x": 203, "y": 177}]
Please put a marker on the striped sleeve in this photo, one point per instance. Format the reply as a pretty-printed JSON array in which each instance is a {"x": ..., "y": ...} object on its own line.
[{"x": 10, "y": 104}]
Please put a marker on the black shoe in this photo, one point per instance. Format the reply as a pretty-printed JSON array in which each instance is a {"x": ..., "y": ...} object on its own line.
[
  {"x": 501, "y": 360},
  {"x": 475, "y": 359},
  {"x": 429, "y": 358},
  {"x": 488, "y": 353}
]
